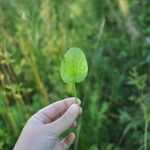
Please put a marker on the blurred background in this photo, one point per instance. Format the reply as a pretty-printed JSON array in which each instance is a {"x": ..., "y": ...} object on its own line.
[{"x": 115, "y": 37}]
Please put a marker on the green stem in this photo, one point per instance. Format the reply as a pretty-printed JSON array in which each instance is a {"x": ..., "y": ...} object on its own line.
[
  {"x": 75, "y": 90},
  {"x": 79, "y": 125},
  {"x": 145, "y": 135},
  {"x": 77, "y": 134}
]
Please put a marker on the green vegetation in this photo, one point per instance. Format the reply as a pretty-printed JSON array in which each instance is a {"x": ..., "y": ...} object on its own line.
[
  {"x": 74, "y": 67},
  {"x": 114, "y": 36}
]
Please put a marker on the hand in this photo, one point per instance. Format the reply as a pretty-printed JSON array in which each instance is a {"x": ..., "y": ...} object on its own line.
[{"x": 43, "y": 129}]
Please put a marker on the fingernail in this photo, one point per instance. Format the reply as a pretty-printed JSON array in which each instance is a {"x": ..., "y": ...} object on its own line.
[
  {"x": 74, "y": 108},
  {"x": 78, "y": 101}
]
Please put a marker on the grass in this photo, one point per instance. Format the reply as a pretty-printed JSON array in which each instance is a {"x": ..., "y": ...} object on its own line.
[{"x": 34, "y": 36}]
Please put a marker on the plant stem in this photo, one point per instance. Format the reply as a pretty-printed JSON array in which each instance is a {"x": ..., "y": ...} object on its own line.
[
  {"x": 79, "y": 125},
  {"x": 145, "y": 135},
  {"x": 75, "y": 90},
  {"x": 77, "y": 134}
]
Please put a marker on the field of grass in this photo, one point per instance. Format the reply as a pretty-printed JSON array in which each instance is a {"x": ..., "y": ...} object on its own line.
[{"x": 115, "y": 37}]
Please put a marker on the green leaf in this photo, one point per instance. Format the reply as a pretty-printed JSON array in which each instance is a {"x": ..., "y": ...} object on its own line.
[{"x": 74, "y": 66}]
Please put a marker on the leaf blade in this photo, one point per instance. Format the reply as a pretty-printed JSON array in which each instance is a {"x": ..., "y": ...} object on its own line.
[{"x": 74, "y": 66}]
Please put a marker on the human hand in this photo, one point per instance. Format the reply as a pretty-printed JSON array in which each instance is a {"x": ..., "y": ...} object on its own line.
[{"x": 43, "y": 129}]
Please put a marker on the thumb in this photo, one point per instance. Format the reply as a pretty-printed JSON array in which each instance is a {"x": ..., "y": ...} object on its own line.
[{"x": 65, "y": 121}]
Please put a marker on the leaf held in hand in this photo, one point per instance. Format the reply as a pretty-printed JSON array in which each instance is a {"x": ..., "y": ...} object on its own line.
[{"x": 74, "y": 66}]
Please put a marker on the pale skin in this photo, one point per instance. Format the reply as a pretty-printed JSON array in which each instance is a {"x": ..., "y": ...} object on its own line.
[{"x": 43, "y": 129}]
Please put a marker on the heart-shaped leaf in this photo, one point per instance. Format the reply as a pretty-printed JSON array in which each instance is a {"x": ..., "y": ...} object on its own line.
[{"x": 74, "y": 66}]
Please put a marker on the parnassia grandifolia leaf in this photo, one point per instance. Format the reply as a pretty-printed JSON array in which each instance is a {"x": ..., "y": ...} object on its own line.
[{"x": 74, "y": 66}]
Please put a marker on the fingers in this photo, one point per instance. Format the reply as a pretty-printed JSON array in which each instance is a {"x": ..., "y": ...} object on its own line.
[
  {"x": 74, "y": 124},
  {"x": 68, "y": 140},
  {"x": 50, "y": 112},
  {"x": 65, "y": 121}
]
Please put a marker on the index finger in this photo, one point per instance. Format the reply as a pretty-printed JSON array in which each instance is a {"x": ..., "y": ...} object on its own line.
[{"x": 50, "y": 112}]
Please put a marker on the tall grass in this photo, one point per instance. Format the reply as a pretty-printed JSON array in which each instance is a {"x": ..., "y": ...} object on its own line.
[{"x": 34, "y": 35}]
